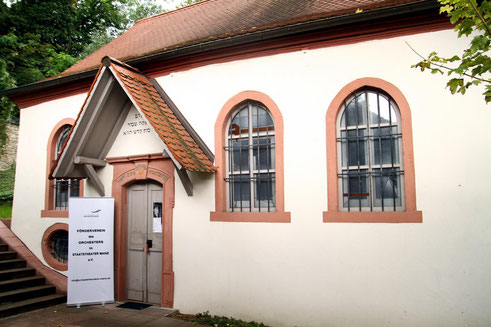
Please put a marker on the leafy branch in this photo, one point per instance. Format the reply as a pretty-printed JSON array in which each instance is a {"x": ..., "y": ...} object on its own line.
[{"x": 473, "y": 67}]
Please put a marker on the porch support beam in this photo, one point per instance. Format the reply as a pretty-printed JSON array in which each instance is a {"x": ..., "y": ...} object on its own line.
[
  {"x": 89, "y": 169},
  {"x": 91, "y": 161},
  {"x": 186, "y": 181}
]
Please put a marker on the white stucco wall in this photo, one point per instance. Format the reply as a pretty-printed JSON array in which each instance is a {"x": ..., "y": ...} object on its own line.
[
  {"x": 106, "y": 176},
  {"x": 136, "y": 137},
  {"x": 310, "y": 273},
  {"x": 36, "y": 125}
]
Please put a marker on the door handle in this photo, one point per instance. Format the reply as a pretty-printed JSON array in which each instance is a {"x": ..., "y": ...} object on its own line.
[{"x": 149, "y": 245}]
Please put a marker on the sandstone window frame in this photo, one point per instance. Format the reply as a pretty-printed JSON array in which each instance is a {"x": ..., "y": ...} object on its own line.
[
  {"x": 336, "y": 214},
  {"x": 50, "y": 210},
  {"x": 222, "y": 213}
]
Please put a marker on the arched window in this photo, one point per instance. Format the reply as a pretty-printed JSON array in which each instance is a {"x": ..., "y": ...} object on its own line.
[
  {"x": 370, "y": 169},
  {"x": 250, "y": 154},
  {"x": 64, "y": 188},
  {"x": 370, "y": 165},
  {"x": 58, "y": 191},
  {"x": 249, "y": 183}
]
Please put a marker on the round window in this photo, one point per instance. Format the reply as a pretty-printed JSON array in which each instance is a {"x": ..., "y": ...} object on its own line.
[
  {"x": 59, "y": 245},
  {"x": 55, "y": 246}
]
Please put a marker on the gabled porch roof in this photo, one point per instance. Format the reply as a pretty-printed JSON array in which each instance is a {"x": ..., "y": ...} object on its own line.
[{"x": 116, "y": 88}]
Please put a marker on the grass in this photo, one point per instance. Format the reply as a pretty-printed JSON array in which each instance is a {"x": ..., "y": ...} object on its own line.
[
  {"x": 5, "y": 210},
  {"x": 6, "y": 192},
  {"x": 217, "y": 321}
]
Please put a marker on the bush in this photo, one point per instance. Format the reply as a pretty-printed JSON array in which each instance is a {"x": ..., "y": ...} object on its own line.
[
  {"x": 217, "y": 321},
  {"x": 7, "y": 178}
]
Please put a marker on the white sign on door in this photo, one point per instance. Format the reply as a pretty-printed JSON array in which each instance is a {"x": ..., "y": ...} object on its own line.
[{"x": 91, "y": 251}]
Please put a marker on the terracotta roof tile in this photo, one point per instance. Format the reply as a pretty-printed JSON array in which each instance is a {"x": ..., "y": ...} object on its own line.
[
  {"x": 178, "y": 140},
  {"x": 216, "y": 19}
]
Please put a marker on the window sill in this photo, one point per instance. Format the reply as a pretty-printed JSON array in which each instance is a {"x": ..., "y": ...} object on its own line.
[
  {"x": 251, "y": 217},
  {"x": 372, "y": 217},
  {"x": 54, "y": 213}
]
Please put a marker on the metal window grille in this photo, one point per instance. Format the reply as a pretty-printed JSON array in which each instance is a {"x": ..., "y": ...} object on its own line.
[
  {"x": 370, "y": 170},
  {"x": 250, "y": 153},
  {"x": 63, "y": 189},
  {"x": 59, "y": 246}
]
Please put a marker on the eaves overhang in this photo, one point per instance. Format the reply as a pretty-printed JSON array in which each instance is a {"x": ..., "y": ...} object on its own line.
[{"x": 244, "y": 38}]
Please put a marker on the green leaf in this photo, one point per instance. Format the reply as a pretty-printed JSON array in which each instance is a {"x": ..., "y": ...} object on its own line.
[
  {"x": 461, "y": 69},
  {"x": 454, "y": 58},
  {"x": 465, "y": 27},
  {"x": 454, "y": 84},
  {"x": 479, "y": 42},
  {"x": 446, "y": 9},
  {"x": 436, "y": 70}
]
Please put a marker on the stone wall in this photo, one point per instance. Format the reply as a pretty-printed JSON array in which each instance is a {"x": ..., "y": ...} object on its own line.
[{"x": 7, "y": 158}]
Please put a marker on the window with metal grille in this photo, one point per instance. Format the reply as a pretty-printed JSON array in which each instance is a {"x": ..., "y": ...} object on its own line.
[
  {"x": 250, "y": 153},
  {"x": 369, "y": 145},
  {"x": 64, "y": 188},
  {"x": 59, "y": 245}
]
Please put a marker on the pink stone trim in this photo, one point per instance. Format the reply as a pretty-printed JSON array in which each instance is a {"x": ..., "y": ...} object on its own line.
[
  {"x": 54, "y": 213},
  {"x": 373, "y": 217},
  {"x": 333, "y": 214},
  {"x": 126, "y": 171},
  {"x": 52, "y": 277},
  {"x": 220, "y": 213},
  {"x": 45, "y": 247},
  {"x": 251, "y": 217},
  {"x": 49, "y": 211}
]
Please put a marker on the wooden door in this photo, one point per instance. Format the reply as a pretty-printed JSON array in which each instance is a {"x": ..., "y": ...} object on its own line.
[{"x": 144, "y": 242}]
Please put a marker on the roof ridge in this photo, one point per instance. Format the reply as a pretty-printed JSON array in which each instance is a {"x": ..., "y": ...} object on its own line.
[
  {"x": 107, "y": 60},
  {"x": 174, "y": 10}
]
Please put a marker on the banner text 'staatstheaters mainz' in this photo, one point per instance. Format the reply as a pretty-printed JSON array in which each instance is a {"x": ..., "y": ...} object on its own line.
[{"x": 90, "y": 250}]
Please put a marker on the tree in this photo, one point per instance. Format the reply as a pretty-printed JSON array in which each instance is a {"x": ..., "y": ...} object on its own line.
[
  {"x": 67, "y": 25},
  {"x": 139, "y": 9},
  {"x": 132, "y": 11},
  {"x": 6, "y": 107},
  {"x": 42, "y": 38},
  {"x": 473, "y": 67}
]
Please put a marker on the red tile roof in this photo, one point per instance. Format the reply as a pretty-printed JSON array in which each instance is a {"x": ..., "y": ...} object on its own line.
[
  {"x": 171, "y": 131},
  {"x": 178, "y": 140},
  {"x": 217, "y": 19}
]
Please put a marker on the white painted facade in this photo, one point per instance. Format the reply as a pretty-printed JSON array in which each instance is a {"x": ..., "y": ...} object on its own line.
[
  {"x": 36, "y": 125},
  {"x": 310, "y": 273}
]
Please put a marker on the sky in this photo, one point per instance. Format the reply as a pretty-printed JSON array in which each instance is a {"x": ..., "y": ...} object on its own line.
[{"x": 168, "y": 4}]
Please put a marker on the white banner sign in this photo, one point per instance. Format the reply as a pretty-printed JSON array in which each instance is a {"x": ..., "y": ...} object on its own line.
[{"x": 90, "y": 250}]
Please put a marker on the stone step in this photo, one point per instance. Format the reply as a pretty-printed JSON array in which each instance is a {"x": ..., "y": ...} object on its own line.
[
  {"x": 17, "y": 283},
  {"x": 12, "y": 264},
  {"x": 4, "y": 247},
  {"x": 16, "y": 273},
  {"x": 7, "y": 255},
  {"x": 9, "y": 309},
  {"x": 26, "y": 293}
]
